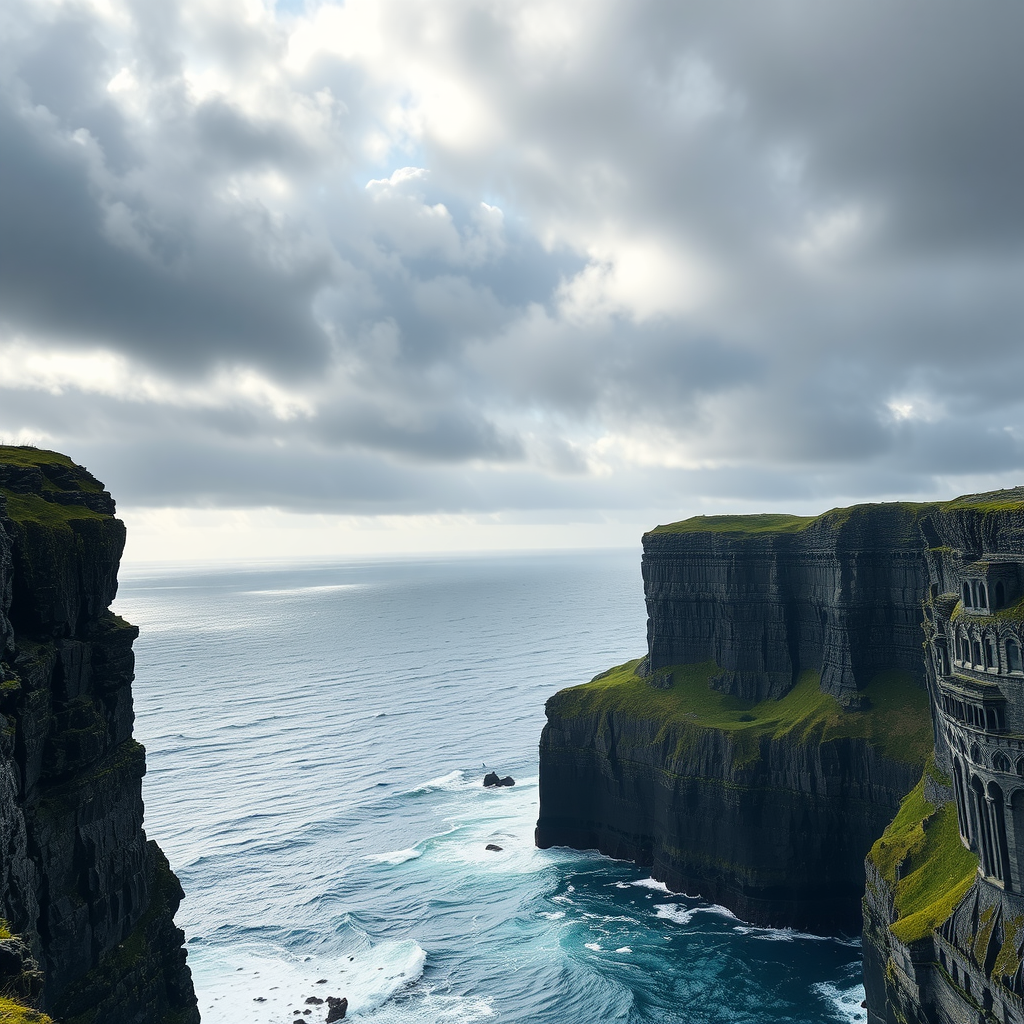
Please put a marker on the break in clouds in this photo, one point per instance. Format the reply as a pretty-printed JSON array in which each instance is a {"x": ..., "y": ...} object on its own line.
[{"x": 384, "y": 256}]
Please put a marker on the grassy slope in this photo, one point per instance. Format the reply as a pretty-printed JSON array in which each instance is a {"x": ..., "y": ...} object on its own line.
[
  {"x": 920, "y": 854},
  {"x": 896, "y": 721},
  {"x": 35, "y": 508},
  {"x": 14, "y": 1013}
]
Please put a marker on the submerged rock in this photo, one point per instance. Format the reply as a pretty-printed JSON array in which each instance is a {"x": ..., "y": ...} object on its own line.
[{"x": 492, "y": 846}]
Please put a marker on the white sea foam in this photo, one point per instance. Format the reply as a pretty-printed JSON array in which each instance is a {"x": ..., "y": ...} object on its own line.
[
  {"x": 843, "y": 1002},
  {"x": 623, "y": 949},
  {"x": 787, "y": 935},
  {"x": 595, "y": 946},
  {"x": 395, "y": 856},
  {"x": 452, "y": 781},
  {"x": 552, "y": 915},
  {"x": 651, "y": 883},
  {"x": 258, "y": 989},
  {"x": 674, "y": 912}
]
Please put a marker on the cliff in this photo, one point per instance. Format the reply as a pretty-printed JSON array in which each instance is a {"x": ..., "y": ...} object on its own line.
[
  {"x": 778, "y": 719},
  {"x": 88, "y": 902},
  {"x": 802, "y": 674},
  {"x": 944, "y": 903}
]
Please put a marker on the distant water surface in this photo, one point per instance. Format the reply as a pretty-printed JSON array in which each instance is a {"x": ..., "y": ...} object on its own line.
[{"x": 317, "y": 737}]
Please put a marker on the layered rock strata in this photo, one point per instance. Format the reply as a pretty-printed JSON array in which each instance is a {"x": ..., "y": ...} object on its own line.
[
  {"x": 91, "y": 900},
  {"x": 768, "y": 809},
  {"x": 766, "y": 597}
]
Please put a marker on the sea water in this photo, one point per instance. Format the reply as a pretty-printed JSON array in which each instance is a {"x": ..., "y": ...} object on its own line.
[{"x": 317, "y": 738}]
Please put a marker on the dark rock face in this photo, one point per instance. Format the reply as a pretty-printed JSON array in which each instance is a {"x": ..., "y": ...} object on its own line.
[
  {"x": 842, "y": 596},
  {"x": 779, "y": 839},
  {"x": 336, "y": 1009},
  {"x": 78, "y": 880}
]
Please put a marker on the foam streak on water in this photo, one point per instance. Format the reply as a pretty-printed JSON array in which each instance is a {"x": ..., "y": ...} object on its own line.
[{"x": 317, "y": 737}]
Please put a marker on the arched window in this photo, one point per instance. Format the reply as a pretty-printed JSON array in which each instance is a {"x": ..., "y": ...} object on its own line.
[
  {"x": 982, "y": 596},
  {"x": 1000, "y": 762},
  {"x": 1020, "y": 766},
  {"x": 975, "y": 652},
  {"x": 968, "y": 603},
  {"x": 975, "y": 753},
  {"x": 1000, "y": 594},
  {"x": 990, "y": 653},
  {"x": 1013, "y": 659}
]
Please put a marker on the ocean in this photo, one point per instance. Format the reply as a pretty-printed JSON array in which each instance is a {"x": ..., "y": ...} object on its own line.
[{"x": 317, "y": 737}]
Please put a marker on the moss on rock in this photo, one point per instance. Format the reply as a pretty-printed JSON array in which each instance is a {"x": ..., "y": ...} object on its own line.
[
  {"x": 923, "y": 859},
  {"x": 895, "y": 718}
]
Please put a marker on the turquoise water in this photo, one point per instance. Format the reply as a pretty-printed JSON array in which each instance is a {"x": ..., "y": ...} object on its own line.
[{"x": 317, "y": 737}]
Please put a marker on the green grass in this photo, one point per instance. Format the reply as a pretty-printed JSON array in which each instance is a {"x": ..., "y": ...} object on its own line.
[
  {"x": 25, "y": 455},
  {"x": 1009, "y": 500},
  {"x": 765, "y": 523},
  {"x": 14, "y": 1013},
  {"x": 920, "y": 854},
  {"x": 896, "y": 720},
  {"x": 991, "y": 502},
  {"x": 31, "y": 508}
]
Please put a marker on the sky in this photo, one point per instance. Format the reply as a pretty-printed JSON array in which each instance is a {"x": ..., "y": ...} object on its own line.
[{"x": 313, "y": 278}]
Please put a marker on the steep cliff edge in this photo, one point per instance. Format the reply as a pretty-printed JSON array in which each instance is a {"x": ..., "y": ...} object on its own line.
[
  {"x": 767, "y": 808},
  {"x": 90, "y": 901},
  {"x": 778, "y": 719},
  {"x": 944, "y": 903}
]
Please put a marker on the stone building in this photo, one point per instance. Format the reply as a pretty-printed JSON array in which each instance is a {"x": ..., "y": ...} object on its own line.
[{"x": 975, "y": 629}]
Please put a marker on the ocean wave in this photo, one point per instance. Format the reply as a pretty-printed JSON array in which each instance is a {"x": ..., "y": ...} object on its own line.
[
  {"x": 395, "y": 856},
  {"x": 650, "y": 883},
  {"x": 373, "y": 977},
  {"x": 843, "y": 1002},
  {"x": 789, "y": 935},
  {"x": 674, "y": 912},
  {"x": 444, "y": 783}
]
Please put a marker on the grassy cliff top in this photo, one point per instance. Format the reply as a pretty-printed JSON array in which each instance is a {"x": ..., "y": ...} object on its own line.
[
  {"x": 26, "y": 455},
  {"x": 1009, "y": 500},
  {"x": 896, "y": 720},
  {"x": 920, "y": 854},
  {"x": 764, "y": 523},
  {"x": 49, "y": 497},
  {"x": 779, "y": 523}
]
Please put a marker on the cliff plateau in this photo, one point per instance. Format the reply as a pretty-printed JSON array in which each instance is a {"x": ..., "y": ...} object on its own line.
[{"x": 88, "y": 903}]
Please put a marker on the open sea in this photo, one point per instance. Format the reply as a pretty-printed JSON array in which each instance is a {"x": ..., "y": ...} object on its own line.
[{"x": 317, "y": 738}]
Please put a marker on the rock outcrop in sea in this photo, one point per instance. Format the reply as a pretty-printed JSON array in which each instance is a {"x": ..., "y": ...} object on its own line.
[
  {"x": 789, "y": 701},
  {"x": 88, "y": 903}
]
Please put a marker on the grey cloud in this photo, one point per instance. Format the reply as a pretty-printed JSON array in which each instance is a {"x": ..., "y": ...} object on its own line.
[{"x": 442, "y": 370}]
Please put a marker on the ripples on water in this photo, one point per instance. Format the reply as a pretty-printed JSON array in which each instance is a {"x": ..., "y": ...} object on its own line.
[{"x": 317, "y": 737}]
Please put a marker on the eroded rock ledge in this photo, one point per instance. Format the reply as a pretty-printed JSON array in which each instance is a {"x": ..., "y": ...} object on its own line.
[{"x": 91, "y": 900}]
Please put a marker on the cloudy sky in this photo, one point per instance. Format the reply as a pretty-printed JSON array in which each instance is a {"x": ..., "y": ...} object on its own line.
[{"x": 392, "y": 274}]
